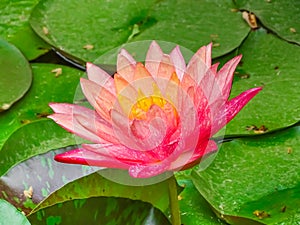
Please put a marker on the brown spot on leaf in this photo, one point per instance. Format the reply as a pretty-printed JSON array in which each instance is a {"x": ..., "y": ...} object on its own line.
[
  {"x": 261, "y": 214},
  {"x": 257, "y": 130}
]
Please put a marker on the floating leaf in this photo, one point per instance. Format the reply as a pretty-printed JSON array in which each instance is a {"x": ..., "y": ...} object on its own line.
[
  {"x": 14, "y": 27},
  {"x": 274, "y": 64},
  {"x": 24, "y": 129},
  {"x": 29, "y": 182},
  {"x": 10, "y": 215},
  {"x": 96, "y": 185},
  {"x": 282, "y": 17},
  {"x": 107, "y": 25},
  {"x": 193, "y": 207},
  {"x": 255, "y": 178},
  {"x": 15, "y": 75},
  {"x": 100, "y": 210}
]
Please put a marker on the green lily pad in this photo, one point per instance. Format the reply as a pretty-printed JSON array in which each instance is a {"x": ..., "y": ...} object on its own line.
[
  {"x": 10, "y": 215},
  {"x": 193, "y": 207},
  {"x": 273, "y": 64},
  {"x": 279, "y": 16},
  {"x": 14, "y": 27},
  {"x": 32, "y": 139},
  {"x": 40, "y": 174},
  {"x": 255, "y": 178},
  {"x": 15, "y": 75},
  {"x": 156, "y": 194},
  {"x": 24, "y": 129},
  {"x": 100, "y": 210},
  {"x": 107, "y": 25}
]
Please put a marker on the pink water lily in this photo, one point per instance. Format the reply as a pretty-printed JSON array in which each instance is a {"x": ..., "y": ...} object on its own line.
[{"x": 152, "y": 118}]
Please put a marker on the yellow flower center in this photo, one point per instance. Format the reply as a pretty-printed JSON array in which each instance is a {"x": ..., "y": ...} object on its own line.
[{"x": 142, "y": 106}]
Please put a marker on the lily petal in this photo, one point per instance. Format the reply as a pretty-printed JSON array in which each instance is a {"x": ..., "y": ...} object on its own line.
[
  {"x": 126, "y": 65},
  {"x": 100, "y": 77},
  {"x": 83, "y": 122},
  {"x": 84, "y": 157},
  {"x": 234, "y": 106},
  {"x": 153, "y": 58},
  {"x": 199, "y": 63},
  {"x": 225, "y": 75},
  {"x": 178, "y": 61}
]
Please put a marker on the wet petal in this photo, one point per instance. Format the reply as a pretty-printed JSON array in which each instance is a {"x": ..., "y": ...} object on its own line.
[
  {"x": 153, "y": 58},
  {"x": 178, "y": 61},
  {"x": 82, "y": 121},
  {"x": 126, "y": 65},
  {"x": 233, "y": 107},
  {"x": 225, "y": 75},
  {"x": 85, "y": 157},
  {"x": 100, "y": 77}
]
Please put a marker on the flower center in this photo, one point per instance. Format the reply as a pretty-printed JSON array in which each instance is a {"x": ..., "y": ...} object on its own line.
[{"x": 143, "y": 105}]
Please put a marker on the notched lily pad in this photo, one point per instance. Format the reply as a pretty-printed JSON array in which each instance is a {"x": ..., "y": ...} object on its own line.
[
  {"x": 14, "y": 27},
  {"x": 15, "y": 75},
  {"x": 282, "y": 17}
]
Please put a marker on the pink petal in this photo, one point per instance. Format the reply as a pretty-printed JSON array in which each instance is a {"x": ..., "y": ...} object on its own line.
[
  {"x": 214, "y": 68},
  {"x": 99, "y": 97},
  {"x": 127, "y": 134},
  {"x": 145, "y": 171},
  {"x": 233, "y": 107},
  {"x": 190, "y": 159},
  {"x": 153, "y": 58},
  {"x": 199, "y": 63},
  {"x": 84, "y": 157},
  {"x": 178, "y": 61},
  {"x": 126, "y": 65},
  {"x": 165, "y": 71},
  {"x": 100, "y": 77},
  {"x": 120, "y": 153},
  {"x": 82, "y": 121},
  {"x": 225, "y": 75}
]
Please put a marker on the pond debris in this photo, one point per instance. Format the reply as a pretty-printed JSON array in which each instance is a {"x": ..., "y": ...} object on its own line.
[
  {"x": 283, "y": 209},
  {"x": 257, "y": 130},
  {"x": 45, "y": 30},
  {"x": 250, "y": 18},
  {"x": 57, "y": 71},
  {"x": 289, "y": 150},
  {"x": 25, "y": 121},
  {"x": 88, "y": 47},
  {"x": 242, "y": 75},
  {"x": 42, "y": 114},
  {"x": 293, "y": 30},
  {"x": 261, "y": 214},
  {"x": 28, "y": 193}
]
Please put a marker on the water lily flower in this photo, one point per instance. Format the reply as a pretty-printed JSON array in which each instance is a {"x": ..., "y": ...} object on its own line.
[{"x": 152, "y": 118}]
